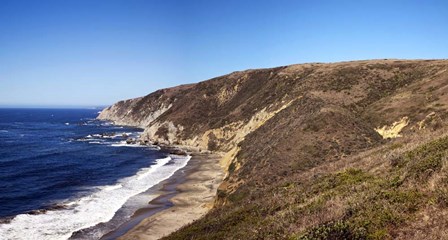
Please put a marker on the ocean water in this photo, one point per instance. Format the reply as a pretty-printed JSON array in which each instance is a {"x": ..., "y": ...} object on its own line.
[{"x": 64, "y": 174}]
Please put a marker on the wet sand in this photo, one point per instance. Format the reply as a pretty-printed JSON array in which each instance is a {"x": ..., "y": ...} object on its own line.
[{"x": 185, "y": 197}]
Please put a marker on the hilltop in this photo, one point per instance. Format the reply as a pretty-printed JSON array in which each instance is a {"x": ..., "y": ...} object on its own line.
[{"x": 353, "y": 150}]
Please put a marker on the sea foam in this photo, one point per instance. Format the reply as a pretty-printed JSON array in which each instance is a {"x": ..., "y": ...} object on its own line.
[{"x": 88, "y": 211}]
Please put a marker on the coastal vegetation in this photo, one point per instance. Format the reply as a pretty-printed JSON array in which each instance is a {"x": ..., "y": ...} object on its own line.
[{"x": 351, "y": 150}]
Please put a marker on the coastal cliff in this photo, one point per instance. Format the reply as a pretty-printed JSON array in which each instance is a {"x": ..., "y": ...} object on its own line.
[{"x": 340, "y": 150}]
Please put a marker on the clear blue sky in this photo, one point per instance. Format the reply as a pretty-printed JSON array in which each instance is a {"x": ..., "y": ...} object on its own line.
[{"x": 92, "y": 52}]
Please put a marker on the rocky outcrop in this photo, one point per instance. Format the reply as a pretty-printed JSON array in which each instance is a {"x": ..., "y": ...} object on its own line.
[
  {"x": 393, "y": 131},
  {"x": 141, "y": 112},
  {"x": 276, "y": 126}
]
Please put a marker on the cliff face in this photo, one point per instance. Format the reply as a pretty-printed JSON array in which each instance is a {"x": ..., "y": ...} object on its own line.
[
  {"x": 141, "y": 112},
  {"x": 286, "y": 130}
]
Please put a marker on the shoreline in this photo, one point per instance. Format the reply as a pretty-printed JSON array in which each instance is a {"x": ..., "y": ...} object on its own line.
[{"x": 184, "y": 197}]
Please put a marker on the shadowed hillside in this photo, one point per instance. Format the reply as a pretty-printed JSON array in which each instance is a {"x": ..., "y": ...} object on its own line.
[{"x": 353, "y": 150}]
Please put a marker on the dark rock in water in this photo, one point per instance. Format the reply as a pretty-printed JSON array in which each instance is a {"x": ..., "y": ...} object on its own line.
[
  {"x": 37, "y": 212},
  {"x": 130, "y": 141},
  {"x": 6, "y": 220},
  {"x": 124, "y": 135},
  {"x": 178, "y": 152},
  {"x": 46, "y": 209},
  {"x": 108, "y": 134},
  {"x": 57, "y": 207},
  {"x": 174, "y": 150}
]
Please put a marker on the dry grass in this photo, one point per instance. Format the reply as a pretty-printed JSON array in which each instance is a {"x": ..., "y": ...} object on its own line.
[
  {"x": 318, "y": 205},
  {"x": 318, "y": 169}
]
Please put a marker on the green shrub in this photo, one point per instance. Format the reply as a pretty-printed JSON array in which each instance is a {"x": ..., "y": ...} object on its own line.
[
  {"x": 427, "y": 159},
  {"x": 333, "y": 230}
]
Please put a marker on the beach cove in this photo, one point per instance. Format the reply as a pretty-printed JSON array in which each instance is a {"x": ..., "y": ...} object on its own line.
[{"x": 186, "y": 196}]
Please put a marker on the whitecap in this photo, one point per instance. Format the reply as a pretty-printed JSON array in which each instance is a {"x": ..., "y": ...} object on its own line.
[
  {"x": 112, "y": 187},
  {"x": 88, "y": 211},
  {"x": 113, "y": 136},
  {"x": 89, "y": 140},
  {"x": 121, "y": 144},
  {"x": 125, "y": 144}
]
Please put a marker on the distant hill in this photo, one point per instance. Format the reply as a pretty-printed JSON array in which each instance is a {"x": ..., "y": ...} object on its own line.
[{"x": 350, "y": 150}]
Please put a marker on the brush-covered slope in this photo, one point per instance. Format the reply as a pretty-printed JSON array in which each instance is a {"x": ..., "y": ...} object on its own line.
[{"x": 326, "y": 151}]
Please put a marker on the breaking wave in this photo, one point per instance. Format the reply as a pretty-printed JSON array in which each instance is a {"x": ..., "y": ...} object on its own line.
[{"x": 88, "y": 211}]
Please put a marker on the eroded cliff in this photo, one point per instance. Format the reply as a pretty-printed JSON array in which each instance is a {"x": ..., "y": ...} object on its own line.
[{"x": 286, "y": 131}]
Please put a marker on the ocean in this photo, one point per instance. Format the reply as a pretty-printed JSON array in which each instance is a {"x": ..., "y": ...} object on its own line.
[{"x": 64, "y": 174}]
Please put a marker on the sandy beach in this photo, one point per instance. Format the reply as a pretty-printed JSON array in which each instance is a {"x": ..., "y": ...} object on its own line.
[{"x": 185, "y": 198}]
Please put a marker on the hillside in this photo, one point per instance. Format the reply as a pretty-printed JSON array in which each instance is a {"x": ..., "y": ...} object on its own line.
[{"x": 352, "y": 150}]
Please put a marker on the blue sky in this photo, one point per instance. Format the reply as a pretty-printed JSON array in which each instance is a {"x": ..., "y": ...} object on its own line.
[{"x": 96, "y": 52}]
